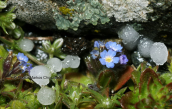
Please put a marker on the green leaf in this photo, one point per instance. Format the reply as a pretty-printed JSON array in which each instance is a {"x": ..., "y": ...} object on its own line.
[
  {"x": 130, "y": 85},
  {"x": 144, "y": 79},
  {"x": 96, "y": 95},
  {"x": 20, "y": 85},
  {"x": 136, "y": 77},
  {"x": 63, "y": 81},
  {"x": 143, "y": 66},
  {"x": 3, "y": 52},
  {"x": 98, "y": 106},
  {"x": 32, "y": 101},
  {"x": 2, "y": 99},
  {"x": 79, "y": 78},
  {"x": 130, "y": 98},
  {"x": 9, "y": 87},
  {"x": 3, "y": 4},
  {"x": 17, "y": 104},
  {"x": 170, "y": 67},
  {"x": 58, "y": 53},
  {"x": 8, "y": 94},
  {"x": 123, "y": 77},
  {"x": 86, "y": 100},
  {"x": 105, "y": 78},
  {"x": 167, "y": 77},
  {"x": 58, "y": 43},
  {"x": 46, "y": 46},
  {"x": 17, "y": 32},
  {"x": 120, "y": 93},
  {"x": 3, "y": 27}
]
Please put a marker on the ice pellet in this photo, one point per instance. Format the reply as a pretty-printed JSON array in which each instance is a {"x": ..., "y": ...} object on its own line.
[
  {"x": 129, "y": 37},
  {"x": 159, "y": 53},
  {"x": 55, "y": 64},
  {"x": 71, "y": 61},
  {"x": 144, "y": 47},
  {"x": 26, "y": 45},
  {"x": 40, "y": 75},
  {"x": 46, "y": 96},
  {"x": 75, "y": 61}
]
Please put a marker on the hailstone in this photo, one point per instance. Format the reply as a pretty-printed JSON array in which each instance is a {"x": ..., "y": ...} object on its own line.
[
  {"x": 46, "y": 96},
  {"x": 40, "y": 75},
  {"x": 159, "y": 53},
  {"x": 129, "y": 37},
  {"x": 71, "y": 61},
  {"x": 54, "y": 64},
  {"x": 144, "y": 47},
  {"x": 26, "y": 45}
]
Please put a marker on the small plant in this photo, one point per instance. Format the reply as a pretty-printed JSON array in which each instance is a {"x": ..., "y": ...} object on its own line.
[{"x": 148, "y": 92}]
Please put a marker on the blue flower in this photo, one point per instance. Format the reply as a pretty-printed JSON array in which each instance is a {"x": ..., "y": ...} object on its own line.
[
  {"x": 108, "y": 59},
  {"x": 94, "y": 54},
  {"x": 9, "y": 50},
  {"x": 123, "y": 59},
  {"x": 29, "y": 67},
  {"x": 99, "y": 44},
  {"x": 114, "y": 46},
  {"x": 24, "y": 66},
  {"x": 96, "y": 44},
  {"x": 22, "y": 57}
]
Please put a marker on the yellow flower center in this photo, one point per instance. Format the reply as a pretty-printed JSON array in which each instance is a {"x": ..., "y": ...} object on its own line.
[{"x": 108, "y": 59}]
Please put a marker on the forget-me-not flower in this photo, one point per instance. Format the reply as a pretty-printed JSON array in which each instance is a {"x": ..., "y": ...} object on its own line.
[
  {"x": 123, "y": 59},
  {"x": 114, "y": 46},
  {"x": 94, "y": 54},
  {"x": 22, "y": 57},
  {"x": 24, "y": 66},
  {"x": 108, "y": 58},
  {"x": 99, "y": 44}
]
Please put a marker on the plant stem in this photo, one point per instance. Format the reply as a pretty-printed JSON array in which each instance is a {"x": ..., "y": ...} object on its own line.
[
  {"x": 5, "y": 41},
  {"x": 50, "y": 55},
  {"x": 31, "y": 57}
]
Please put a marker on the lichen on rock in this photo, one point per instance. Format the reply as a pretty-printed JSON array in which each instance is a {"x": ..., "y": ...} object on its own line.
[
  {"x": 89, "y": 11},
  {"x": 127, "y": 10}
]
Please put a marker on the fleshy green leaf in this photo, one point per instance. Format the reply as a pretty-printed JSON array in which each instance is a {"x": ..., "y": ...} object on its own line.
[
  {"x": 8, "y": 94},
  {"x": 126, "y": 75},
  {"x": 98, "y": 106},
  {"x": 17, "y": 104},
  {"x": 130, "y": 98},
  {"x": 9, "y": 87},
  {"x": 105, "y": 78},
  {"x": 96, "y": 95},
  {"x": 78, "y": 77},
  {"x": 145, "y": 76},
  {"x": 136, "y": 77},
  {"x": 167, "y": 77},
  {"x": 32, "y": 101},
  {"x": 58, "y": 43}
]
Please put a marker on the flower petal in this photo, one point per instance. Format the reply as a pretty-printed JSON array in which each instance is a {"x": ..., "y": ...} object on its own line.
[
  {"x": 96, "y": 44},
  {"x": 101, "y": 44},
  {"x": 123, "y": 59},
  {"x": 115, "y": 59},
  {"x": 102, "y": 61},
  {"x": 103, "y": 54},
  {"x": 111, "y": 53},
  {"x": 110, "y": 65},
  {"x": 107, "y": 45},
  {"x": 22, "y": 57},
  {"x": 119, "y": 48},
  {"x": 94, "y": 53}
]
